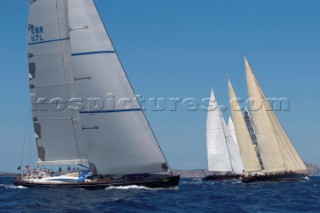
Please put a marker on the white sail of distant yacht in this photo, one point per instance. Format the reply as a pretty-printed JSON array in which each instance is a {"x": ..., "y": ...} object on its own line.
[
  {"x": 72, "y": 63},
  {"x": 276, "y": 149},
  {"x": 246, "y": 147},
  {"x": 223, "y": 154},
  {"x": 232, "y": 131}
]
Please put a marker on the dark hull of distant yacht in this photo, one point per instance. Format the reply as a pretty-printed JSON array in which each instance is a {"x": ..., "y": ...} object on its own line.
[
  {"x": 275, "y": 177},
  {"x": 221, "y": 177},
  {"x": 158, "y": 181}
]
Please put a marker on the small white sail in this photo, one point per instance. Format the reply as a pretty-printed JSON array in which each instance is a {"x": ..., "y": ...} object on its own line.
[
  {"x": 223, "y": 155},
  {"x": 118, "y": 137},
  {"x": 247, "y": 150},
  {"x": 232, "y": 131},
  {"x": 58, "y": 130},
  {"x": 234, "y": 154},
  {"x": 276, "y": 149}
]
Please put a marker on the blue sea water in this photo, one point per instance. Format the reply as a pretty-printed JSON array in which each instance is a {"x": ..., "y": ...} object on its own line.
[{"x": 192, "y": 195}]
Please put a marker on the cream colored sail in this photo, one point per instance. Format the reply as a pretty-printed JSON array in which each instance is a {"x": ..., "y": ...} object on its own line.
[
  {"x": 247, "y": 150},
  {"x": 276, "y": 149}
]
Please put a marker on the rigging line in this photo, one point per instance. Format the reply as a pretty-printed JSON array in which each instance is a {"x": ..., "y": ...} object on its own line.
[
  {"x": 30, "y": 141},
  {"x": 63, "y": 49},
  {"x": 25, "y": 135}
]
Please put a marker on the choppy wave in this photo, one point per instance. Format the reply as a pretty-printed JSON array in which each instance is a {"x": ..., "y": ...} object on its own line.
[
  {"x": 11, "y": 186},
  {"x": 192, "y": 195}
]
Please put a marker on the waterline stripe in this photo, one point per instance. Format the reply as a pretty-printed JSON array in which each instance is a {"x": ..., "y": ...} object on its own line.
[
  {"x": 49, "y": 41},
  {"x": 110, "y": 111},
  {"x": 92, "y": 53}
]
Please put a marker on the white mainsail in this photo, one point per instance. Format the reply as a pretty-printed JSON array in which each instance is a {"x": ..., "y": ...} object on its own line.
[
  {"x": 247, "y": 150},
  {"x": 276, "y": 149},
  {"x": 223, "y": 154},
  {"x": 58, "y": 130},
  {"x": 118, "y": 137}
]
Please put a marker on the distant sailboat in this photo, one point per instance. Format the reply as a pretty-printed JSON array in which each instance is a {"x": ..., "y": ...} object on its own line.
[
  {"x": 72, "y": 57},
  {"x": 224, "y": 159},
  {"x": 280, "y": 160}
]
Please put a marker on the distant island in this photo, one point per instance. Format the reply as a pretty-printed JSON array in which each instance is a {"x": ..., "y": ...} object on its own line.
[
  {"x": 7, "y": 174},
  {"x": 314, "y": 169}
]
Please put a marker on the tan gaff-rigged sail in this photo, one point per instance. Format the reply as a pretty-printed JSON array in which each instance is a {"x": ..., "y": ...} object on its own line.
[
  {"x": 275, "y": 147},
  {"x": 247, "y": 151}
]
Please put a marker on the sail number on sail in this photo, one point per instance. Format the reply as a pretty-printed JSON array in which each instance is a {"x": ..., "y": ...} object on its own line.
[{"x": 37, "y": 33}]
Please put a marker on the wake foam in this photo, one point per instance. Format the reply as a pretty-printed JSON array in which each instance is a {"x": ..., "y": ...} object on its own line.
[
  {"x": 12, "y": 187},
  {"x": 127, "y": 187},
  {"x": 135, "y": 187}
]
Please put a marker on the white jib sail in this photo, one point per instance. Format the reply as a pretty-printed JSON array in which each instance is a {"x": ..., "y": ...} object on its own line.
[
  {"x": 223, "y": 155},
  {"x": 232, "y": 131}
]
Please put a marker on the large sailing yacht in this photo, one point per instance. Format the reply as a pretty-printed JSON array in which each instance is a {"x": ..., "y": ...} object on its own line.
[
  {"x": 71, "y": 61},
  {"x": 273, "y": 154},
  {"x": 224, "y": 161}
]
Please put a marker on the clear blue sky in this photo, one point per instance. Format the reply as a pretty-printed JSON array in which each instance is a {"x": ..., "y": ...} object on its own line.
[{"x": 182, "y": 48}]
